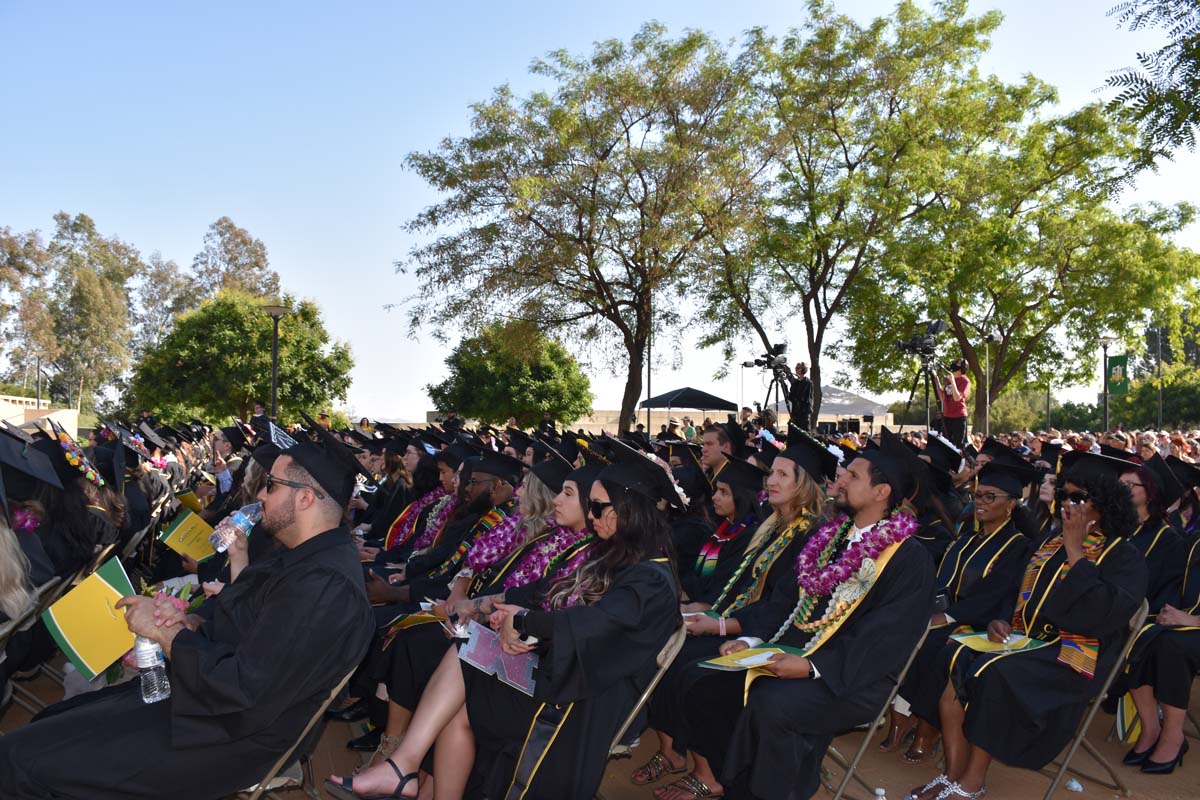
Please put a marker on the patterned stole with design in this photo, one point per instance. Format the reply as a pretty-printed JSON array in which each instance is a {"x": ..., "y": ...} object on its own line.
[
  {"x": 1075, "y": 651},
  {"x": 706, "y": 563}
]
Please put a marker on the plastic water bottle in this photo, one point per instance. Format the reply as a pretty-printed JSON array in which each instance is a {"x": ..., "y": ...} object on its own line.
[
  {"x": 880, "y": 794},
  {"x": 152, "y": 669},
  {"x": 239, "y": 522}
]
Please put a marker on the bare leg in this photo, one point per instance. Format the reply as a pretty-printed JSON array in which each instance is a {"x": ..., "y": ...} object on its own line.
[
  {"x": 924, "y": 744},
  {"x": 650, "y": 771},
  {"x": 1147, "y": 708},
  {"x": 900, "y": 726},
  {"x": 398, "y": 720},
  {"x": 953, "y": 738},
  {"x": 453, "y": 758},
  {"x": 975, "y": 775},
  {"x": 443, "y": 698},
  {"x": 702, "y": 771},
  {"x": 1172, "y": 738}
]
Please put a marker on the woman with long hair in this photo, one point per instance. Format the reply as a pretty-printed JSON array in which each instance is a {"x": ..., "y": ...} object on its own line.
[
  {"x": 598, "y": 631},
  {"x": 1077, "y": 594},
  {"x": 15, "y": 597},
  {"x": 1159, "y": 543},
  {"x": 797, "y": 507}
]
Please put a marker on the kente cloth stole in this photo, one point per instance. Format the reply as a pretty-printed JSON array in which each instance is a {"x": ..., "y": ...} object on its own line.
[
  {"x": 1075, "y": 651},
  {"x": 706, "y": 563},
  {"x": 489, "y": 521}
]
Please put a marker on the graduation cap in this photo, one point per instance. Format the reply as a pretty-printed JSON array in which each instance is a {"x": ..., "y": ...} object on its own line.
[
  {"x": 1079, "y": 465},
  {"x": 767, "y": 455},
  {"x": 1051, "y": 452},
  {"x": 1115, "y": 452},
  {"x": 233, "y": 434},
  {"x": 636, "y": 472},
  {"x": 1008, "y": 478},
  {"x": 453, "y": 455},
  {"x": 1187, "y": 474},
  {"x": 902, "y": 469},
  {"x": 375, "y": 447},
  {"x": 265, "y": 454},
  {"x": 942, "y": 453},
  {"x": 338, "y": 452},
  {"x": 67, "y": 457},
  {"x": 688, "y": 452},
  {"x": 811, "y": 456},
  {"x": 22, "y": 461},
  {"x": 518, "y": 438},
  {"x": 737, "y": 438},
  {"x": 110, "y": 463},
  {"x": 506, "y": 468},
  {"x": 742, "y": 475},
  {"x": 552, "y": 472},
  {"x": 150, "y": 435},
  {"x": 994, "y": 448},
  {"x": 1170, "y": 488}
]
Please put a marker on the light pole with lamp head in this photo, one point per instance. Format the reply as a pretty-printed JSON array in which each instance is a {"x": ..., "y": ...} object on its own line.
[
  {"x": 276, "y": 312},
  {"x": 989, "y": 339},
  {"x": 1105, "y": 342}
]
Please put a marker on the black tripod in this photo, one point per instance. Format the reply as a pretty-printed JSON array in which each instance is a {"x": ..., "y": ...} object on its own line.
[
  {"x": 925, "y": 371},
  {"x": 779, "y": 379}
]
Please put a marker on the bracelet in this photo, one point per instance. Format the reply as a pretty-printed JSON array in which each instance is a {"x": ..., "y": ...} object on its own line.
[{"x": 721, "y": 624}]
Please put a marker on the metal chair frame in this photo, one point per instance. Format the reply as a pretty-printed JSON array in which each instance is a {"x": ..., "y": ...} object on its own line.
[
  {"x": 851, "y": 768},
  {"x": 308, "y": 781},
  {"x": 1080, "y": 738},
  {"x": 43, "y": 597}
]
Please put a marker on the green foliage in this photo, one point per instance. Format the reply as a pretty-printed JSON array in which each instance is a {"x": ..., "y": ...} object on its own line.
[
  {"x": 1181, "y": 400},
  {"x": 512, "y": 370},
  {"x": 1079, "y": 417},
  {"x": 1162, "y": 93},
  {"x": 164, "y": 293},
  {"x": 233, "y": 259},
  {"x": 18, "y": 390},
  {"x": 1019, "y": 411},
  {"x": 216, "y": 361},
  {"x": 581, "y": 208}
]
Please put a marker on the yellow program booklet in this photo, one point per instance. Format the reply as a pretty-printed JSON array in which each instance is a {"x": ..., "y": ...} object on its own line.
[
  {"x": 86, "y": 623},
  {"x": 188, "y": 536}
]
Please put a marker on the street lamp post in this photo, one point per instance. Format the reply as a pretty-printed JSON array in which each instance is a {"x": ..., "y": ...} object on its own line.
[
  {"x": 1105, "y": 341},
  {"x": 276, "y": 312}
]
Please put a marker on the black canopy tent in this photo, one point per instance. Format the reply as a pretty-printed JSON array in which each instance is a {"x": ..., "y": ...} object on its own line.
[{"x": 688, "y": 397}]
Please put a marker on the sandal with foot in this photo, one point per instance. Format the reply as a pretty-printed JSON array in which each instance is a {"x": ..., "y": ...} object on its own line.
[
  {"x": 343, "y": 787},
  {"x": 916, "y": 754},
  {"x": 915, "y": 794},
  {"x": 387, "y": 746},
  {"x": 697, "y": 788},
  {"x": 953, "y": 790},
  {"x": 897, "y": 735},
  {"x": 654, "y": 769}
]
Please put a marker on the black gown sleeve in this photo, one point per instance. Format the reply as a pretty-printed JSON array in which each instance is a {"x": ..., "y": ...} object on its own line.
[{"x": 1098, "y": 600}]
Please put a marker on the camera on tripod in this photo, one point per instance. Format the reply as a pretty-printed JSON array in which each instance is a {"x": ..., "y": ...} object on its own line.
[
  {"x": 775, "y": 358},
  {"x": 924, "y": 344}
]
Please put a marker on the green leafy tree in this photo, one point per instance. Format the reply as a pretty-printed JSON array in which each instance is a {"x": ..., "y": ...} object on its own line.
[
  {"x": 216, "y": 360},
  {"x": 582, "y": 208},
  {"x": 862, "y": 121},
  {"x": 233, "y": 259},
  {"x": 512, "y": 370},
  {"x": 1163, "y": 93},
  {"x": 1077, "y": 417},
  {"x": 1180, "y": 394},
  {"x": 164, "y": 292}
]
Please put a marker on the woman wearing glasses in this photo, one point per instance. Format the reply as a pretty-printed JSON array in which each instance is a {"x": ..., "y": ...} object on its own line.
[
  {"x": 1078, "y": 592},
  {"x": 977, "y": 576},
  {"x": 597, "y": 632},
  {"x": 1159, "y": 543}
]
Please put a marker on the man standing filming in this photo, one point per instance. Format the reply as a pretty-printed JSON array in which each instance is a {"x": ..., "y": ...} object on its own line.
[
  {"x": 954, "y": 392},
  {"x": 800, "y": 397}
]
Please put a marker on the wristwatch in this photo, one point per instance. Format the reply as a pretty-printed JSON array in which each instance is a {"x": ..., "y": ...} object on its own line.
[{"x": 519, "y": 622}]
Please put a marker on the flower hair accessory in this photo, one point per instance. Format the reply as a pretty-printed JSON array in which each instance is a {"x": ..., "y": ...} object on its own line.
[
  {"x": 107, "y": 433},
  {"x": 76, "y": 458}
]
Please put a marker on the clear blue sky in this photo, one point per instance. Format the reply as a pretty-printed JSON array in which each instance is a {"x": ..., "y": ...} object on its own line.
[{"x": 294, "y": 118}]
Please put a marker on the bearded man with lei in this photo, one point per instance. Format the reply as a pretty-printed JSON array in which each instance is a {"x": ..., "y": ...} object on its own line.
[{"x": 859, "y": 603}]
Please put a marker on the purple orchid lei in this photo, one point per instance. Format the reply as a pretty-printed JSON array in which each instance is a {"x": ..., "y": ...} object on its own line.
[
  {"x": 821, "y": 582},
  {"x": 497, "y": 543},
  {"x": 533, "y": 564}
]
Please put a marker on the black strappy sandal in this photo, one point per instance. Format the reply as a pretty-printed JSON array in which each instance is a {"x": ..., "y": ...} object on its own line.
[{"x": 343, "y": 788}]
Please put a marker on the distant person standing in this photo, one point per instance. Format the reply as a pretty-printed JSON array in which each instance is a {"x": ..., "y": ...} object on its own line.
[
  {"x": 800, "y": 398},
  {"x": 954, "y": 392}
]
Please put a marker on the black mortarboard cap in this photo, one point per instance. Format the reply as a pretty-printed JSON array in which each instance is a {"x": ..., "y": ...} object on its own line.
[
  {"x": 150, "y": 435},
  {"x": 1187, "y": 474},
  {"x": 375, "y": 446},
  {"x": 66, "y": 457},
  {"x": 737, "y": 437},
  {"x": 811, "y": 456},
  {"x": 20, "y": 456},
  {"x": 330, "y": 471},
  {"x": 265, "y": 455},
  {"x": 638, "y": 473},
  {"x": 767, "y": 455},
  {"x": 742, "y": 475},
  {"x": 519, "y": 439},
  {"x": 453, "y": 455},
  {"x": 236, "y": 438},
  {"x": 110, "y": 463},
  {"x": 337, "y": 451},
  {"x": 994, "y": 447},
  {"x": 1115, "y": 452},
  {"x": 943, "y": 455},
  {"x": 1050, "y": 454},
  {"x": 1082, "y": 465},
  {"x": 552, "y": 472},
  {"x": 1009, "y": 479},
  {"x": 506, "y": 468},
  {"x": 1169, "y": 487}
]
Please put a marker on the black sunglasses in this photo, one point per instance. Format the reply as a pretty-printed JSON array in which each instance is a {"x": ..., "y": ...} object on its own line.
[
  {"x": 1075, "y": 498},
  {"x": 272, "y": 481},
  {"x": 597, "y": 508}
]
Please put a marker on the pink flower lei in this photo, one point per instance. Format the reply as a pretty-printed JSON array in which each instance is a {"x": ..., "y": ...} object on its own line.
[{"x": 818, "y": 581}]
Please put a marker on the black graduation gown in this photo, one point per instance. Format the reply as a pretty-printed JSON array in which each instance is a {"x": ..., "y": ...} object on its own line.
[
  {"x": 137, "y": 510},
  {"x": 67, "y": 554},
  {"x": 688, "y": 535},
  {"x": 1022, "y": 708},
  {"x": 243, "y": 688},
  {"x": 430, "y": 574},
  {"x": 980, "y": 573},
  {"x": 599, "y": 660},
  {"x": 1168, "y": 657},
  {"x": 934, "y": 535},
  {"x": 780, "y": 737},
  {"x": 1164, "y": 551}
]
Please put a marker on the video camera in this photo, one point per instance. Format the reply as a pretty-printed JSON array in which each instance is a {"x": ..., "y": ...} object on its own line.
[
  {"x": 924, "y": 344},
  {"x": 775, "y": 358}
]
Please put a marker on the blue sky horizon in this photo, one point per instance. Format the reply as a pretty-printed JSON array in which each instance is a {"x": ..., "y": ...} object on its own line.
[{"x": 294, "y": 120}]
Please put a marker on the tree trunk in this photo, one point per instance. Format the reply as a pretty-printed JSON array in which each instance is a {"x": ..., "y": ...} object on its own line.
[
  {"x": 814, "y": 374},
  {"x": 633, "y": 387}
]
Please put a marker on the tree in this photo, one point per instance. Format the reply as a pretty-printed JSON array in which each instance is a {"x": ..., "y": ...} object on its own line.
[
  {"x": 1077, "y": 417},
  {"x": 163, "y": 294},
  {"x": 216, "y": 361},
  {"x": 23, "y": 261},
  {"x": 512, "y": 370},
  {"x": 581, "y": 209},
  {"x": 233, "y": 259},
  {"x": 1163, "y": 93},
  {"x": 1180, "y": 394},
  {"x": 863, "y": 120}
]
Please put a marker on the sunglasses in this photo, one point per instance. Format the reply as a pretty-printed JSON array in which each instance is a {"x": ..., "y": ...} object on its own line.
[
  {"x": 597, "y": 508},
  {"x": 1074, "y": 498},
  {"x": 273, "y": 481}
]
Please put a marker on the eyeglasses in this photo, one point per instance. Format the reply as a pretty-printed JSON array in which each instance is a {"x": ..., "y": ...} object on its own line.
[
  {"x": 1138, "y": 485},
  {"x": 477, "y": 481},
  {"x": 272, "y": 481},
  {"x": 597, "y": 508},
  {"x": 987, "y": 498},
  {"x": 1074, "y": 498}
]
